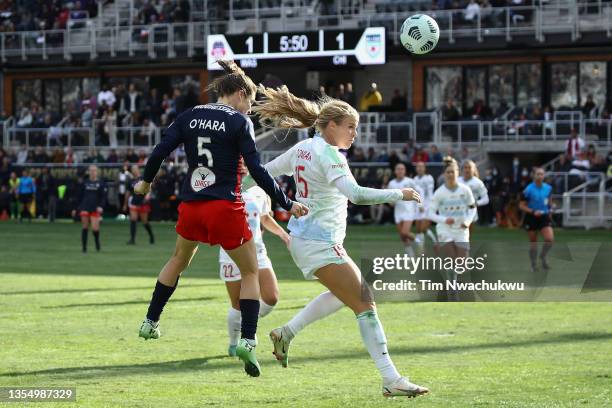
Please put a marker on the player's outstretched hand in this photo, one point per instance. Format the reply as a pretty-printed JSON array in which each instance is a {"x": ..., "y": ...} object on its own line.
[
  {"x": 411, "y": 194},
  {"x": 298, "y": 209},
  {"x": 142, "y": 187}
]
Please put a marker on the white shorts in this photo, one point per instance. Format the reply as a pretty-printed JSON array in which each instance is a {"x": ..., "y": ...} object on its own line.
[
  {"x": 461, "y": 237},
  {"x": 401, "y": 215},
  {"x": 310, "y": 255},
  {"x": 422, "y": 215},
  {"x": 229, "y": 272}
]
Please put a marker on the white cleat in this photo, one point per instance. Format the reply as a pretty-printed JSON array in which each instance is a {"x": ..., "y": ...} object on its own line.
[
  {"x": 403, "y": 388},
  {"x": 280, "y": 340},
  {"x": 149, "y": 330}
]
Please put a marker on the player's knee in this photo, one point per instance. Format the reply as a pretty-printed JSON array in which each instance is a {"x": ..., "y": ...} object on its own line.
[{"x": 270, "y": 298}]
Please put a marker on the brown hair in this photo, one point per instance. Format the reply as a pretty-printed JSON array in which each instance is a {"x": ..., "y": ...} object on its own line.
[
  {"x": 448, "y": 161},
  {"x": 281, "y": 109},
  {"x": 475, "y": 172},
  {"x": 234, "y": 80}
]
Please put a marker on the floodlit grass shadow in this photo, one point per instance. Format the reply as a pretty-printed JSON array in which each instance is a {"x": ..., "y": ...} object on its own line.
[{"x": 221, "y": 361}]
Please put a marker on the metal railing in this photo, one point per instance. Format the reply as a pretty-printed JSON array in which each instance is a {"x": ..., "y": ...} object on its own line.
[
  {"x": 537, "y": 22},
  {"x": 589, "y": 209}
]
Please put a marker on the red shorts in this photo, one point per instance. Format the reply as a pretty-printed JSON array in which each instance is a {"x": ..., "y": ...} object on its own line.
[
  {"x": 216, "y": 222},
  {"x": 92, "y": 214},
  {"x": 141, "y": 209}
]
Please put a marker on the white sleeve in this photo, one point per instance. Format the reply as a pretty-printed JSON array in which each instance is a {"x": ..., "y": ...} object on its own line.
[
  {"x": 430, "y": 187},
  {"x": 433, "y": 210},
  {"x": 363, "y": 195},
  {"x": 483, "y": 195},
  {"x": 472, "y": 210},
  {"x": 282, "y": 165}
]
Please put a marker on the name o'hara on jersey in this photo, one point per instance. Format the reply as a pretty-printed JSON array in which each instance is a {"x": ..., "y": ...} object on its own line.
[{"x": 207, "y": 124}]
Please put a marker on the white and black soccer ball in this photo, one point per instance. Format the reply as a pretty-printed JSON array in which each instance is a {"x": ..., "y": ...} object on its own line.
[{"x": 420, "y": 34}]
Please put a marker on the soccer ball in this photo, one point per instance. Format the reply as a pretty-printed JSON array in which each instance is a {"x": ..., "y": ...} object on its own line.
[{"x": 419, "y": 34}]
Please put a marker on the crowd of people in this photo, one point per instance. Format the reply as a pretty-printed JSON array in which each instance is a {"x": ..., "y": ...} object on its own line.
[{"x": 34, "y": 15}]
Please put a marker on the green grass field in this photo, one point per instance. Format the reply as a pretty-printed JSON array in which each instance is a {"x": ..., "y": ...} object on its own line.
[{"x": 68, "y": 319}]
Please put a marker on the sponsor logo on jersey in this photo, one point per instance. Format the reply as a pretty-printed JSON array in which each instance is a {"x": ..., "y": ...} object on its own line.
[
  {"x": 338, "y": 166},
  {"x": 201, "y": 178},
  {"x": 207, "y": 124},
  {"x": 303, "y": 154}
]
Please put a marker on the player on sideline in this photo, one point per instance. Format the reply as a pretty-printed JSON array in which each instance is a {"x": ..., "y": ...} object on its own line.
[
  {"x": 453, "y": 208},
  {"x": 258, "y": 208},
  {"x": 139, "y": 206},
  {"x": 92, "y": 196},
  {"x": 535, "y": 203},
  {"x": 471, "y": 178},
  {"x": 426, "y": 183},
  {"x": 214, "y": 137},
  {"x": 404, "y": 212},
  {"x": 325, "y": 184}
]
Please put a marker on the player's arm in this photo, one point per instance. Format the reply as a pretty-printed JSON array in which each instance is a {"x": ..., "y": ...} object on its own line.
[
  {"x": 523, "y": 206},
  {"x": 246, "y": 145},
  {"x": 483, "y": 195},
  {"x": 433, "y": 211},
  {"x": 360, "y": 195},
  {"x": 472, "y": 209},
  {"x": 270, "y": 224},
  {"x": 282, "y": 165},
  {"x": 102, "y": 194},
  {"x": 167, "y": 145}
]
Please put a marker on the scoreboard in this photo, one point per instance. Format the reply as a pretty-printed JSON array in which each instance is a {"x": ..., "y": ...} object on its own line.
[{"x": 366, "y": 46}]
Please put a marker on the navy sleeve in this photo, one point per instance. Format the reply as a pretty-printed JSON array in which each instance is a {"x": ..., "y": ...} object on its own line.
[
  {"x": 102, "y": 195},
  {"x": 169, "y": 142},
  {"x": 246, "y": 144}
]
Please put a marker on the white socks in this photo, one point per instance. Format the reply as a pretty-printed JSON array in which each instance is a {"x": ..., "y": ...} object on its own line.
[
  {"x": 264, "y": 308},
  {"x": 321, "y": 306},
  {"x": 375, "y": 341},
  {"x": 234, "y": 319},
  {"x": 410, "y": 251}
]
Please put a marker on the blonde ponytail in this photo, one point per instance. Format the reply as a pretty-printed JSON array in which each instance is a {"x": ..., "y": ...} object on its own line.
[{"x": 281, "y": 109}]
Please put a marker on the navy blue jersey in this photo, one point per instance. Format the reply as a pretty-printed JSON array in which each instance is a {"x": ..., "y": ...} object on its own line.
[
  {"x": 214, "y": 137},
  {"x": 92, "y": 195}
]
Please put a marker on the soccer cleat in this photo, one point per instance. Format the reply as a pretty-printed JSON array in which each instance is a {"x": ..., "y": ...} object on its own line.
[
  {"x": 544, "y": 264},
  {"x": 280, "y": 341},
  {"x": 231, "y": 350},
  {"x": 149, "y": 330},
  {"x": 246, "y": 352},
  {"x": 403, "y": 388}
]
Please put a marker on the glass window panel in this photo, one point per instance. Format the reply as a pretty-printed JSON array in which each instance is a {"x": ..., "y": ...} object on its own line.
[
  {"x": 52, "y": 97},
  {"x": 593, "y": 82},
  {"x": 528, "y": 85},
  {"x": 443, "y": 83},
  {"x": 71, "y": 93},
  {"x": 563, "y": 85},
  {"x": 27, "y": 92},
  {"x": 91, "y": 86},
  {"x": 475, "y": 85},
  {"x": 501, "y": 86}
]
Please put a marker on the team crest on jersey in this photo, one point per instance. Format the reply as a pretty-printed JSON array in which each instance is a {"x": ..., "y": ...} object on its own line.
[{"x": 201, "y": 178}]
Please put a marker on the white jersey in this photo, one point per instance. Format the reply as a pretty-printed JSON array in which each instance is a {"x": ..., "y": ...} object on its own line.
[
  {"x": 256, "y": 204},
  {"x": 456, "y": 204},
  {"x": 476, "y": 185},
  {"x": 405, "y": 206},
  {"x": 426, "y": 184}
]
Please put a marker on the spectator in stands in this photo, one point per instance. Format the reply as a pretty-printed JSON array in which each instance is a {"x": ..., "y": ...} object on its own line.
[
  {"x": 341, "y": 93},
  {"x": 58, "y": 156},
  {"x": 106, "y": 96},
  {"x": 465, "y": 154},
  {"x": 371, "y": 156},
  {"x": 450, "y": 111},
  {"x": 562, "y": 165},
  {"x": 575, "y": 144},
  {"x": 179, "y": 101},
  {"x": 580, "y": 165},
  {"x": 25, "y": 118},
  {"x": 153, "y": 106},
  {"x": 70, "y": 156},
  {"x": 113, "y": 157},
  {"x": 393, "y": 159},
  {"x": 22, "y": 155},
  {"x": 133, "y": 104},
  {"x": 108, "y": 126},
  {"x": 149, "y": 15},
  {"x": 515, "y": 175},
  {"x": 142, "y": 157},
  {"x": 371, "y": 98},
  {"x": 40, "y": 155},
  {"x": 591, "y": 152},
  {"x": 420, "y": 155},
  {"x": 398, "y": 102},
  {"x": 434, "y": 156},
  {"x": 130, "y": 156},
  {"x": 479, "y": 111},
  {"x": 93, "y": 157},
  {"x": 350, "y": 95},
  {"x": 471, "y": 12},
  {"x": 588, "y": 106},
  {"x": 358, "y": 155},
  {"x": 146, "y": 136}
]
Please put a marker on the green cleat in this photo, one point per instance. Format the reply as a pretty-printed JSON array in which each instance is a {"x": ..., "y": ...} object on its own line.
[
  {"x": 149, "y": 330},
  {"x": 246, "y": 352},
  {"x": 231, "y": 350},
  {"x": 280, "y": 341}
]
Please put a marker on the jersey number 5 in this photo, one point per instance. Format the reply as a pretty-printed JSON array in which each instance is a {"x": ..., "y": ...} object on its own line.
[
  {"x": 203, "y": 151},
  {"x": 301, "y": 192}
]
